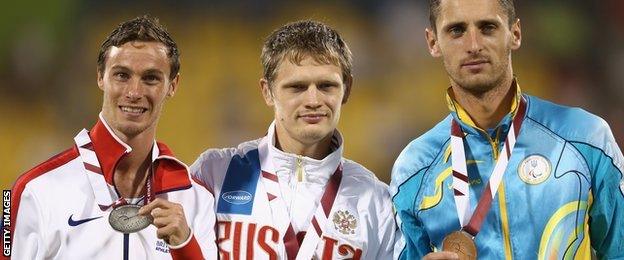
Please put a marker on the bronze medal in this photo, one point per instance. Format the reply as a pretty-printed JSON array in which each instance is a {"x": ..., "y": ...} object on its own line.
[{"x": 461, "y": 243}]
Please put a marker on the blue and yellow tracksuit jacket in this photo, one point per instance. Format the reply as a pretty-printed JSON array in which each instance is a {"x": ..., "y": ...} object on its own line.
[{"x": 561, "y": 195}]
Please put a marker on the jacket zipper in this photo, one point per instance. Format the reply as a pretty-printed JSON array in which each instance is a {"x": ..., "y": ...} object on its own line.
[{"x": 299, "y": 169}]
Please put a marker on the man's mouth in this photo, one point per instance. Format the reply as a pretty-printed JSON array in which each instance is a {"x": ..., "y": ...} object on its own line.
[
  {"x": 475, "y": 66},
  {"x": 312, "y": 118},
  {"x": 474, "y": 63},
  {"x": 313, "y": 115},
  {"x": 133, "y": 110}
]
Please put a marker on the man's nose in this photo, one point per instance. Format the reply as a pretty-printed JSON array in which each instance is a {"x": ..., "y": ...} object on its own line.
[
  {"x": 313, "y": 97},
  {"x": 475, "y": 44},
  {"x": 134, "y": 90}
]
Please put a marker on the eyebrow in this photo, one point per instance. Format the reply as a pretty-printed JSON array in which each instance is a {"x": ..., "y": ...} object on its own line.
[
  {"x": 488, "y": 21},
  {"x": 295, "y": 82},
  {"x": 307, "y": 82},
  {"x": 148, "y": 71},
  {"x": 120, "y": 67},
  {"x": 464, "y": 24},
  {"x": 154, "y": 71}
]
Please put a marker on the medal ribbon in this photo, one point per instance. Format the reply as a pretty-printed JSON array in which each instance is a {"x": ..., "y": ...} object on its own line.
[
  {"x": 470, "y": 222},
  {"x": 304, "y": 250},
  {"x": 96, "y": 176}
]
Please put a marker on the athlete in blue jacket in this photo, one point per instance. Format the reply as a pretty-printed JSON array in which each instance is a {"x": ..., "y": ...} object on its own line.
[{"x": 505, "y": 175}]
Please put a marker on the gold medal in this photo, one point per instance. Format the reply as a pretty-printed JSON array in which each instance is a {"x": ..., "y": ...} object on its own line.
[{"x": 461, "y": 243}]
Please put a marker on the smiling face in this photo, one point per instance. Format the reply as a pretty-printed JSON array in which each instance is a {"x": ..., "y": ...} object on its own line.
[
  {"x": 306, "y": 98},
  {"x": 475, "y": 41},
  {"x": 136, "y": 83}
]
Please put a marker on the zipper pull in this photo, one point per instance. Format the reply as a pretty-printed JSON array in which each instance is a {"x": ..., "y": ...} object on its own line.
[
  {"x": 299, "y": 170},
  {"x": 497, "y": 143}
]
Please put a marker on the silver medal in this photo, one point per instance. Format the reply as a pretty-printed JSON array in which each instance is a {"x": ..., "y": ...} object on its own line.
[{"x": 126, "y": 219}]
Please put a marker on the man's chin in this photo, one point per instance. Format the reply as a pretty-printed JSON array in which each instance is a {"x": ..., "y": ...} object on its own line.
[
  {"x": 130, "y": 129},
  {"x": 477, "y": 83},
  {"x": 314, "y": 133}
]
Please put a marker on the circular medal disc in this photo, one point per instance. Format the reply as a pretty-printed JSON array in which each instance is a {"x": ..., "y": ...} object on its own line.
[
  {"x": 461, "y": 243},
  {"x": 125, "y": 219}
]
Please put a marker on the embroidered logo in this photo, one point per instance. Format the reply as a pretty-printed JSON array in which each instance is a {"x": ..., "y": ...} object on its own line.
[
  {"x": 534, "y": 169},
  {"x": 344, "y": 222},
  {"x": 237, "y": 197},
  {"x": 73, "y": 223}
]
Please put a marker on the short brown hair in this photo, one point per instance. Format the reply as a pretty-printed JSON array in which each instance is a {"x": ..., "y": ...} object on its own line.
[
  {"x": 302, "y": 39},
  {"x": 507, "y": 5},
  {"x": 145, "y": 29}
]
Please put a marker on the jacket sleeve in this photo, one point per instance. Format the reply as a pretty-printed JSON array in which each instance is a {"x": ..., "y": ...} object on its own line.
[
  {"x": 606, "y": 212},
  {"x": 387, "y": 232},
  {"x": 413, "y": 241},
  {"x": 210, "y": 167},
  {"x": 201, "y": 244},
  {"x": 28, "y": 232}
]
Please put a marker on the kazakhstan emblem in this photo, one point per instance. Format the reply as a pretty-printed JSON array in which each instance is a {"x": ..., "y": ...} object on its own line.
[
  {"x": 344, "y": 222},
  {"x": 534, "y": 169}
]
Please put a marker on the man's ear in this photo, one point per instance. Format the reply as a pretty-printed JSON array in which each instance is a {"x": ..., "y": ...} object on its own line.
[
  {"x": 432, "y": 42},
  {"x": 174, "y": 86},
  {"x": 348, "y": 83},
  {"x": 265, "y": 88},
  {"x": 516, "y": 34},
  {"x": 100, "y": 79}
]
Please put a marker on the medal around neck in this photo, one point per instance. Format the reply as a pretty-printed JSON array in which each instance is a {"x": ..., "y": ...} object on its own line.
[
  {"x": 125, "y": 219},
  {"x": 460, "y": 243}
]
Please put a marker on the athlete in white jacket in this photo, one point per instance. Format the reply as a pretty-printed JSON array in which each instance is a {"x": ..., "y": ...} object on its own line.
[
  {"x": 291, "y": 194},
  {"x": 117, "y": 193}
]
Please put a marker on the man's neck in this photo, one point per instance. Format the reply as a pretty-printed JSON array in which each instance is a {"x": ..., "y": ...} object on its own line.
[
  {"x": 317, "y": 150},
  {"x": 132, "y": 170},
  {"x": 486, "y": 109}
]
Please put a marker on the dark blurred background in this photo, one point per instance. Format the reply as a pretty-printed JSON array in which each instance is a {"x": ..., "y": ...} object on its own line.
[{"x": 571, "y": 53}]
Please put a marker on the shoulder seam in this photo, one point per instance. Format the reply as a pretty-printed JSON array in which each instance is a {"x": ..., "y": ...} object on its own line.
[
  {"x": 580, "y": 142},
  {"x": 545, "y": 127},
  {"x": 601, "y": 150},
  {"x": 201, "y": 184},
  {"x": 54, "y": 162}
]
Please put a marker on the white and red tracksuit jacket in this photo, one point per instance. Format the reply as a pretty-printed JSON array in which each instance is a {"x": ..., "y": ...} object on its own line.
[
  {"x": 251, "y": 179},
  {"x": 57, "y": 213}
]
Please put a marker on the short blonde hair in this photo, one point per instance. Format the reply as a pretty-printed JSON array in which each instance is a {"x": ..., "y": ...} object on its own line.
[{"x": 302, "y": 39}]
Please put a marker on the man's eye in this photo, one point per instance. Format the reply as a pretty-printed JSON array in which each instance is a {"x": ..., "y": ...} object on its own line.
[
  {"x": 151, "y": 79},
  {"x": 121, "y": 76},
  {"x": 488, "y": 29},
  {"x": 298, "y": 87},
  {"x": 326, "y": 86},
  {"x": 456, "y": 31}
]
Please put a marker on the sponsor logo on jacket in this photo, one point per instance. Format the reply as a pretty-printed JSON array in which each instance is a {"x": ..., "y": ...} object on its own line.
[
  {"x": 161, "y": 246},
  {"x": 238, "y": 197}
]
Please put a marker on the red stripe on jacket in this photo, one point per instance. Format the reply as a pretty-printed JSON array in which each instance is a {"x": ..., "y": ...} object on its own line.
[{"x": 45, "y": 167}]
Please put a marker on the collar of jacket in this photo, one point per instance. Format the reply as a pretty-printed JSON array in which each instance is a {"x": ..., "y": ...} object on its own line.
[
  {"x": 468, "y": 125},
  {"x": 169, "y": 173},
  {"x": 274, "y": 160}
]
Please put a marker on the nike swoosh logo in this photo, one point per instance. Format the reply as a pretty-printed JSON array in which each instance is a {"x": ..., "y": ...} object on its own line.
[{"x": 74, "y": 223}]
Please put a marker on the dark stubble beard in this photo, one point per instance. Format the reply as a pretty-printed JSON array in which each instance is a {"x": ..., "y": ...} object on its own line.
[{"x": 484, "y": 86}]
